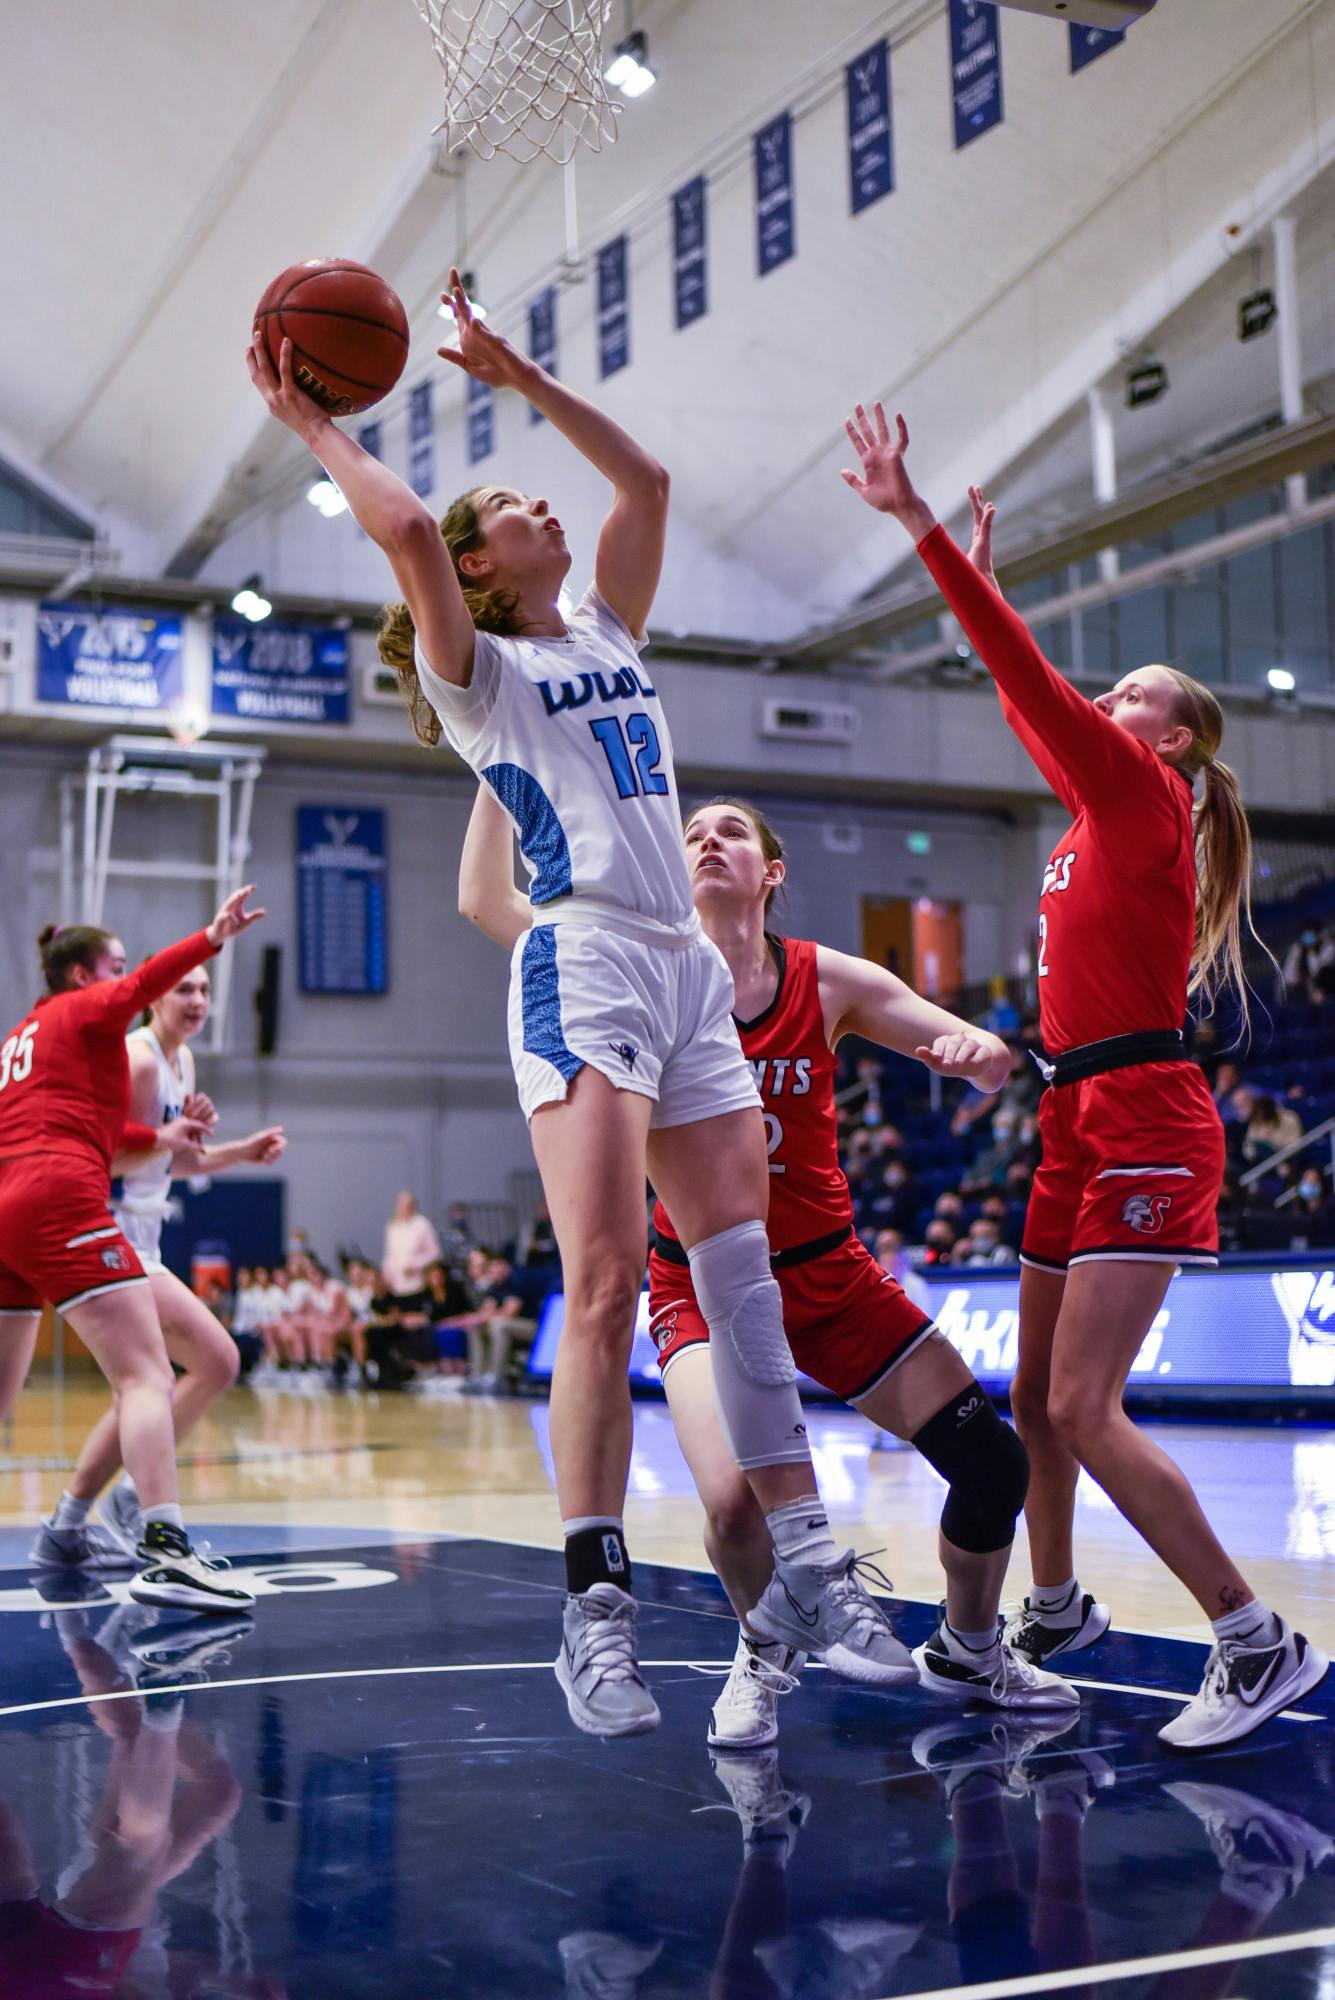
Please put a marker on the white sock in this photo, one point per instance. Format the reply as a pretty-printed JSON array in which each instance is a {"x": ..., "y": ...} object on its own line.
[
  {"x": 968, "y": 1647},
  {"x": 800, "y": 1530},
  {"x": 1056, "y": 1603},
  {"x": 1251, "y": 1623},
  {"x": 70, "y": 1513},
  {"x": 168, "y": 1514}
]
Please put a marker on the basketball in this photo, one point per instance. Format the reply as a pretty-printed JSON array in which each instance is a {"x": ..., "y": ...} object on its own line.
[{"x": 348, "y": 330}]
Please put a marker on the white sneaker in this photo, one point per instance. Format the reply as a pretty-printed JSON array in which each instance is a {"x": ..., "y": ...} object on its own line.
[
  {"x": 1255, "y": 1844},
  {"x": 746, "y": 1714},
  {"x": 597, "y": 1667},
  {"x": 1002, "y": 1679},
  {"x": 1062, "y": 1780},
  {"x": 1243, "y": 1687},
  {"x": 1041, "y": 1638},
  {"x": 90, "y": 1546},
  {"x": 175, "y": 1573},
  {"x": 598, "y": 1965},
  {"x": 826, "y": 1611},
  {"x": 770, "y": 1813},
  {"x": 991, "y": 1745}
]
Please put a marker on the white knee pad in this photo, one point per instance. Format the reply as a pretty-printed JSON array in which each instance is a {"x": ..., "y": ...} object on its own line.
[{"x": 754, "y": 1376}]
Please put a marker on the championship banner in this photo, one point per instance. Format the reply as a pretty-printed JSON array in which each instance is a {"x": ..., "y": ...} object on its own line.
[
  {"x": 368, "y": 437},
  {"x": 975, "y": 68},
  {"x": 342, "y": 900},
  {"x": 613, "y": 307},
  {"x": 871, "y": 161},
  {"x": 481, "y": 420},
  {"x": 690, "y": 252},
  {"x": 542, "y": 339},
  {"x": 1087, "y": 44},
  {"x": 421, "y": 440},
  {"x": 775, "y": 231},
  {"x": 280, "y": 671},
  {"x": 127, "y": 658}
]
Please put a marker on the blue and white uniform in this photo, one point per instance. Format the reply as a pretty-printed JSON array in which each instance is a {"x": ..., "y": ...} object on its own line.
[
  {"x": 146, "y": 1194},
  {"x": 615, "y": 972}
]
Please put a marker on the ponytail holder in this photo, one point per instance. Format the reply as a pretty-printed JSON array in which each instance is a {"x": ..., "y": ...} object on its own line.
[{"x": 56, "y": 932}]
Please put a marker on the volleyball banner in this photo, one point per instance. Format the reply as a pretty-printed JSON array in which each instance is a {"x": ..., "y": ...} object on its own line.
[
  {"x": 126, "y": 658},
  {"x": 481, "y": 420},
  {"x": 690, "y": 248},
  {"x": 871, "y": 162},
  {"x": 613, "y": 307},
  {"x": 280, "y": 671},
  {"x": 542, "y": 339},
  {"x": 421, "y": 440},
  {"x": 975, "y": 68},
  {"x": 1087, "y": 44},
  {"x": 776, "y": 238}
]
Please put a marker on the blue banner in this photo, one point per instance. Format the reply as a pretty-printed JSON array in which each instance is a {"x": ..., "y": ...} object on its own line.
[
  {"x": 1267, "y": 1329},
  {"x": 775, "y": 238},
  {"x": 613, "y": 306},
  {"x": 368, "y": 437},
  {"x": 421, "y": 440},
  {"x": 1089, "y": 43},
  {"x": 125, "y": 658},
  {"x": 871, "y": 158},
  {"x": 342, "y": 899},
  {"x": 481, "y": 420},
  {"x": 975, "y": 68},
  {"x": 280, "y": 671},
  {"x": 542, "y": 338},
  {"x": 690, "y": 251}
]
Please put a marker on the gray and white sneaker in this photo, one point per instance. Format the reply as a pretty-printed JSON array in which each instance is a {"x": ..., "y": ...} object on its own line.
[
  {"x": 1256, "y": 1844},
  {"x": 826, "y": 1610},
  {"x": 1002, "y": 1678},
  {"x": 598, "y": 1965},
  {"x": 1243, "y": 1687},
  {"x": 1042, "y": 1636},
  {"x": 88, "y": 1547},
  {"x": 771, "y": 1813},
  {"x": 120, "y": 1514},
  {"x": 746, "y": 1714},
  {"x": 597, "y": 1667},
  {"x": 175, "y": 1573}
]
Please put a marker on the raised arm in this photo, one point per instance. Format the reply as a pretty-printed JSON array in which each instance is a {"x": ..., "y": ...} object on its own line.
[
  {"x": 400, "y": 524},
  {"x": 859, "y": 998},
  {"x": 630, "y": 547},
  {"x": 487, "y": 893}
]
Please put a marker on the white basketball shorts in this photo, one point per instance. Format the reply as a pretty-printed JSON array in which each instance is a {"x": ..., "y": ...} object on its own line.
[
  {"x": 142, "y": 1230},
  {"x": 655, "y": 1018}
]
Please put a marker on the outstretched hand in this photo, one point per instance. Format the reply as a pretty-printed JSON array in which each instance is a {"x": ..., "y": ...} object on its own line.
[
  {"x": 980, "y": 1059},
  {"x": 481, "y": 353},
  {"x": 291, "y": 405},
  {"x": 883, "y": 481},
  {"x": 980, "y": 548},
  {"x": 233, "y": 917}
]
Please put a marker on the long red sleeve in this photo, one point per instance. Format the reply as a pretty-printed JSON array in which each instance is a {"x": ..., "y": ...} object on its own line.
[{"x": 113, "y": 1003}]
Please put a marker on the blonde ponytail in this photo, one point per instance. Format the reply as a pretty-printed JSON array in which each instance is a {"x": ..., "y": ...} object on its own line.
[
  {"x": 1223, "y": 858},
  {"x": 490, "y": 611}
]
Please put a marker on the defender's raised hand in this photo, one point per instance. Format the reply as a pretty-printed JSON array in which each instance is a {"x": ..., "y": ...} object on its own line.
[
  {"x": 980, "y": 548},
  {"x": 883, "y": 481}
]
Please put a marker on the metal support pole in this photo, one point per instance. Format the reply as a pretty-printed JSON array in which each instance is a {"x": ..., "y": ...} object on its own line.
[
  {"x": 1283, "y": 231},
  {"x": 1103, "y": 450}
]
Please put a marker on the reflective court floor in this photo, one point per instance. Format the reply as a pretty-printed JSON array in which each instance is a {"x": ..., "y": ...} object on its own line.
[{"x": 372, "y": 1787}]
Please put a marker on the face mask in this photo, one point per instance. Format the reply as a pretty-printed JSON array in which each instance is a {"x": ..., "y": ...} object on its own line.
[{"x": 1309, "y": 1189}]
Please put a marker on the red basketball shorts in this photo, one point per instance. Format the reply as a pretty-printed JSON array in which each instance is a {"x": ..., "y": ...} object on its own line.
[
  {"x": 848, "y": 1322},
  {"x": 58, "y": 1242},
  {"x": 1131, "y": 1167}
]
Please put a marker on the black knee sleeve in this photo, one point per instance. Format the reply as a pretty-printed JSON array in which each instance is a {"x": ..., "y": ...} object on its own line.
[{"x": 985, "y": 1466}]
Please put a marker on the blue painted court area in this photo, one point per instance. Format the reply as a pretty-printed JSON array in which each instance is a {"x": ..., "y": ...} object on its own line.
[{"x": 372, "y": 1787}]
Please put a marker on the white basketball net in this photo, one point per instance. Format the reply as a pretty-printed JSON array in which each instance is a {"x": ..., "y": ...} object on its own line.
[{"x": 523, "y": 77}]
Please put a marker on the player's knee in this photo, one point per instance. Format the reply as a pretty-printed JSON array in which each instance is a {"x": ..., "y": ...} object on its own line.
[
  {"x": 601, "y": 1305},
  {"x": 1029, "y": 1400},
  {"x": 733, "y": 1517},
  {"x": 222, "y": 1367},
  {"x": 985, "y": 1466},
  {"x": 1075, "y": 1414}
]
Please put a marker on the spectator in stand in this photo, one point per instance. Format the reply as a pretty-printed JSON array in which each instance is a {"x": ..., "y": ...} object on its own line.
[
  {"x": 1018, "y": 1094},
  {"x": 1227, "y": 1078},
  {"x": 398, "y": 1337},
  {"x": 894, "y": 1204},
  {"x": 457, "y": 1237},
  {"x": 450, "y": 1309},
  {"x": 983, "y": 1245},
  {"x": 858, "y": 1167},
  {"x": 411, "y": 1244},
  {"x": 938, "y": 1244},
  {"x": 361, "y": 1282},
  {"x": 246, "y": 1320},
  {"x": 1309, "y": 966},
  {"x": 1312, "y": 1214},
  {"x": 949, "y": 1207},
  {"x": 1270, "y": 1129},
  {"x": 509, "y": 1306},
  {"x": 890, "y": 1253},
  {"x": 1002, "y": 1016},
  {"x": 863, "y": 1097},
  {"x": 888, "y": 1143},
  {"x": 538, "y": 1251}
]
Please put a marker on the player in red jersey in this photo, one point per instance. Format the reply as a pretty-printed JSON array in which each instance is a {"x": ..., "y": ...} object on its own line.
[
  {"x": 64, "y": 1095},
  {"x": 1141, "y": 908},
  {"x": 849, "y": 1324}
]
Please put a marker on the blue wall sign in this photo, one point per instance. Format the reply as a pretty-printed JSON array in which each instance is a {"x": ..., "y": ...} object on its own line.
[
  {"x": 421, "y": 439},
  {"x": 542, "y": 338},
  {"x": 613, "y": 306},
  {"x": 690, "y": 251},
  {"x": 280, "y": 671},
  {"x": 342, "y": 900},
  {"x": 481, "y": 420},
  {"x": 975, "y": 68},
  {"x": 1089, "y": 43},
  {"x": 775, "y": 234},
  {"x": 871, "y": 158},
  {"x": 368, "y": 437},
  {"x": 126, "y": 658}
]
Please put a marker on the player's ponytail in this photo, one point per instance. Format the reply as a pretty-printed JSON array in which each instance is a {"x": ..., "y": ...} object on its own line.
[
  {"x": 1223, "y": 856},
  {"x": 63, "y": 946},
  {"x": 490, "y": 611}
]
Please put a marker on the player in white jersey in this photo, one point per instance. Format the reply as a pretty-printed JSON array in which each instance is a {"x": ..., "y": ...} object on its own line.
[
  {"x": 620, "y": 1009},
  {"x": 162, "y": 1086}
]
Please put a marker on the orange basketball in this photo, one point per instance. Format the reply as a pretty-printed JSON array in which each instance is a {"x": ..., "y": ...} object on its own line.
[{"x": 348, "y": 330}]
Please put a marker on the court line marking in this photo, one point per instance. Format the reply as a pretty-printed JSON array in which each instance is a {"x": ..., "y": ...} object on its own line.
[{"x": 1133, "y": 1968}]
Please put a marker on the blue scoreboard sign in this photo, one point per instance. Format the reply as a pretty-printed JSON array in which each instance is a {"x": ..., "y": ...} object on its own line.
[{"x": 342, "y": 899}]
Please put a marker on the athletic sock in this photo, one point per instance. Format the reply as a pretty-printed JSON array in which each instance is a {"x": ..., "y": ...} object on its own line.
[
  {"x": 800, "y": 1531},
  {"x": 1056, "y": 1603},
  {"x": 1251, "y": 1623},
  {"x": 595, "y": 1553},
  {"x": 70, "y": 1513},
  {"x": 969, "y": 1648},
  {"x": 168, "y": 1515}
]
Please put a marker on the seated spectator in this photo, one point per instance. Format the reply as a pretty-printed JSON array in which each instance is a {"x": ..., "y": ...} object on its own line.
[
  {"x": 889, "y": 1252},
  {"x": 450, "y": 1305},
  {"x": 892, "y": 1205},
  {"x": 246, "y": 1319},
  {"x": 539, "y": 1251},
  {"x": 983, "y": 1245},
  {"x": 888, "y": 1143},
  {"x": 509, "y": 1305},
  {"x": 1227, "y": 1078},
  {"x": 949, "y": 1207},
  {"x": 1309, "y": 966},
  {"x": 1270, "y": 1128},
  {"x": 937, "y": 1246},
  {"x": 1312, "y": 1214},
  {"x": 361, "y": 1283},
  {"x": 457, "y": 1236},
  {"x": 398, "y": 1337},
  {"x": 1002, "y": 1016}
]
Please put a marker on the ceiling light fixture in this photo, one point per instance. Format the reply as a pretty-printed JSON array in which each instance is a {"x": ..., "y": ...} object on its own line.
[
  {"x": 1281, "y": 680},
  {"x": 325, "y": 497},
  {"x": 251, "y": 602},
  {"x": 629, "y": 70}
]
